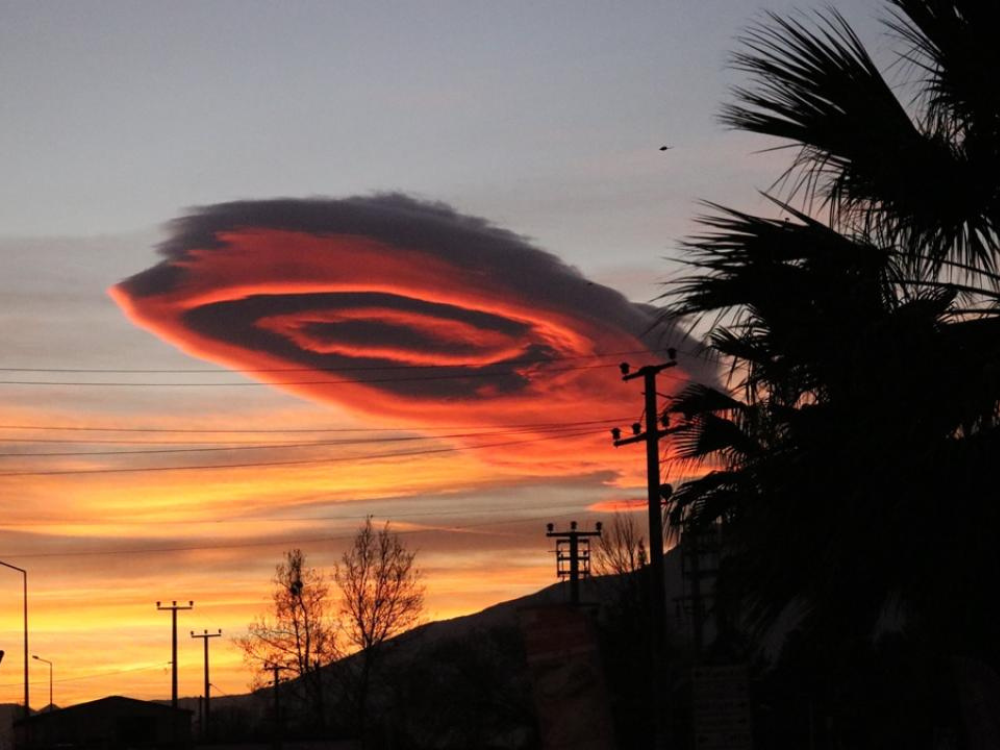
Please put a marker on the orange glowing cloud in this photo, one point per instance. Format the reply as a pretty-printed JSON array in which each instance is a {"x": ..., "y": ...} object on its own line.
[
  {"x": 393, "y": 307},
  {"x": 627, "y": 505}
]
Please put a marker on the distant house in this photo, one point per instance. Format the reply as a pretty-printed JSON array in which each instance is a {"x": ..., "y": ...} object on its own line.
[{"x": 112, "y": 723}]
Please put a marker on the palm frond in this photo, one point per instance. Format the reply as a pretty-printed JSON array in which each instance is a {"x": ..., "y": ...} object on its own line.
[
  {"x": 710, "y": 435},
  {"x": 860, "y": 153},
  {"x": 697, "y": 399},
  {"x": 954, "y": 43}
]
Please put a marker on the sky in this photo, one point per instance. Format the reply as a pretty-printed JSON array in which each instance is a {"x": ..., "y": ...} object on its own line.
[{"x": 269, "y": 268}]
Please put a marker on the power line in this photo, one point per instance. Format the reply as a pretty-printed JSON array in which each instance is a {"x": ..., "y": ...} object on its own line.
[
  {"x": 273, "y": 446},
  {"x": 129, "y": 441},
  {"x": 95, "y": 675},
  {"x": 270, "y": 431},
  {"x": 341, "y": 381},
  {"x": 358, "y": 368},
  {"x": 275, "y": 543},
  {"x": 346, "y": 368},
  {"x": 480, "y": 371},
  {"x": 224, "y": 693},
  {"x": 280, "y": 519},
  {"x": 332, "y": 459}
]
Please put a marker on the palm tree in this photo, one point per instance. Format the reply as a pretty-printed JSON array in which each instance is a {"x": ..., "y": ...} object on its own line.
[
  {"x": 853, "y": 458},
  {"x": 920, "y": 178}
]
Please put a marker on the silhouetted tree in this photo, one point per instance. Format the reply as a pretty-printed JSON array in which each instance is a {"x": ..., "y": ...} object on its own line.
[
  {"x": 381, "y": 596},
  {"x": 299, "y": 635},
  {"x": 852, "y": 459},
  {"x": 621, "y": 548}
]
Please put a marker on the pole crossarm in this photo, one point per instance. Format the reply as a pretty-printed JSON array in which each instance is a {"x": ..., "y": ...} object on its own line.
[
  {"x": 646, "y": 371},
  {"x": 644, "y": 436},
  {"x": 568, "y": 534}
]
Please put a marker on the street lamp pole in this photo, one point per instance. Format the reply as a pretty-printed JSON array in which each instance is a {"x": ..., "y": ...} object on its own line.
[
  {"x": 23, "y": 572},
  {"x": 46, "y": 661}
]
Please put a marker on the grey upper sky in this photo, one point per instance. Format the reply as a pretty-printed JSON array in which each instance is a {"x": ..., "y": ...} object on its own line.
[{"x": 543, "y": 117}]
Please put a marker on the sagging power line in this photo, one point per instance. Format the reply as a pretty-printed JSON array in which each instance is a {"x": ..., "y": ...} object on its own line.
[
  {"x": 275, "y": 542},
  {"x": 344, "y": 368},
  {"x": 290, "y": 430},
  {"x": 301, "y": 462},
  {"x": 281, "y": 446}
]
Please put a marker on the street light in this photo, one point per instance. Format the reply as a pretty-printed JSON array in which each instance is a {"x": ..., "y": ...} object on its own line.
[
  {"x": 23, "y": 572},
  {"x": 46, "y": 661}
]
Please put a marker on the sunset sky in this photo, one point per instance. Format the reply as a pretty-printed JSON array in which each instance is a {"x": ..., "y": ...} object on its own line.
[{"x": 402, "y": 249}]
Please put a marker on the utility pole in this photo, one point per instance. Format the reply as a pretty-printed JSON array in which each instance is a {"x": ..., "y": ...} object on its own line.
[
  {"x": 655, "y": 494},
  {"x": 276, "y": 668},
  {"x": 573, "y": 555},
  {"x": 206, "y": 714},
  {"x": 174, "y": 608},
  {"x": 654, "y": 490}
]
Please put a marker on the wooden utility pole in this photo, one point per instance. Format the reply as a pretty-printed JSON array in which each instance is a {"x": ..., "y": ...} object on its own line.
[
  {"x": 655, "y": 494},
  {"x": 276, "y": 668},
  {"x": 206, "y": 716},
  {"x": 654, "y": 490},
  {"x": 173, "y": 609}
]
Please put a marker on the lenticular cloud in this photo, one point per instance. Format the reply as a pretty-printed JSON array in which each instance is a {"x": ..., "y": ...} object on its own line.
[{"x": 391, "y": 306}]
